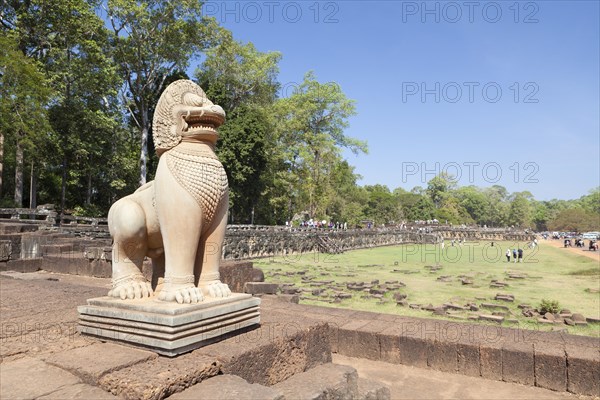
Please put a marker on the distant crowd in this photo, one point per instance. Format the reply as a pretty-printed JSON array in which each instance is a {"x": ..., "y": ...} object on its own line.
[{"x": 319, "y": 224}]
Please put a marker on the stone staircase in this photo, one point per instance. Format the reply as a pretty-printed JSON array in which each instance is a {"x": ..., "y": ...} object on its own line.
[
  {"x": 326, "y": 245},
  {"x": 323, "y": 382}
]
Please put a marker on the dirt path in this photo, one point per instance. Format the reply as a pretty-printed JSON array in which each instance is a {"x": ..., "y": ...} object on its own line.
[
  {"x": 581, "y": 251},
  {"x": 406, "y": 382}
]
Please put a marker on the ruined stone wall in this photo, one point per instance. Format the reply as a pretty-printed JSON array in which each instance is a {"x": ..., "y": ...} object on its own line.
[
  {"x": 26, "y": 241},
  {"x": 473, "y": 234},
  {"x": 245, "y": 242}
]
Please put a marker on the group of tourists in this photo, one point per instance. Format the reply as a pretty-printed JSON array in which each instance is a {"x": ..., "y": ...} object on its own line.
[
  {"x": 516, "y": 253},
  {"x": 319, "y": 224},
  {"x": 427, "y": 222}
]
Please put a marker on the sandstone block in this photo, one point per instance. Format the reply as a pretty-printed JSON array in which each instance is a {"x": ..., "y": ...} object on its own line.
[
  {"x": 550, "y": 366},
  {"x": 226, "y": 387},
  {"x": 327, "y": 381}
]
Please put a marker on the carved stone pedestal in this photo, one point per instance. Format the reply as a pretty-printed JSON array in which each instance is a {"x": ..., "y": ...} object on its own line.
[{"x": 168, "y": 328}]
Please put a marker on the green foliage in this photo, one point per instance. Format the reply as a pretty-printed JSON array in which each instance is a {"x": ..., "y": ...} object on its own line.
[
  {"x": 591, "y": 202},
  {"x": 439, "y": 186},
  {"x": 236, "y": 74},
  {"x": 78, "y": 125},
  {"x": 151, "y": 40},
  {"x": 475, "y": 204},
  {"x": 549, "y": 306},
  {"x": 243, "y": 150},
  {"x": 540, "y": 216},
  {"x": 520, "y": 211},
  {"x": 8, "y": 203},
  {"x": 382, "y": 207},
  {"x": 575, "y": 220},
  {"x": 88, "y": 211},
  {"x": 23, "y": 91},
  {"x": 77, "y": 98},
  {"x": 310, "y": 136},
  {"x": 452, "y": 211},
  {"x": 347, "y": 198},
  {"x": 243, "y": 81}
]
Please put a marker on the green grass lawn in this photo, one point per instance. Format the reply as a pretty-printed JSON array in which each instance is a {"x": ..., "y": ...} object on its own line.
[{"x": 551, "y": 274}]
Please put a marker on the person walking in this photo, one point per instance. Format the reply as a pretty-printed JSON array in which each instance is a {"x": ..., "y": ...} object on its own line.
[
  {"x": 507, "y": 255},
  {"x": 515, "y": 255}
]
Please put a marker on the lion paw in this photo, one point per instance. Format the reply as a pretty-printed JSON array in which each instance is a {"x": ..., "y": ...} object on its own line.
[
  {"x": 131, "y": 287},
  {"x": 215, "y": 289},
  {"x": 187, "y": 295}
]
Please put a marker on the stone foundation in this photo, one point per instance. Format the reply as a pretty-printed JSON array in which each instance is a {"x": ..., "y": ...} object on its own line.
[
  {"x": 550, "y": 360},
  {"x": 168, "y": 328},
  {"x": 42, "y": 355}
]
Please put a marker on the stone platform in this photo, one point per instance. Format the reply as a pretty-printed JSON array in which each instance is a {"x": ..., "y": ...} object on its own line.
[
  {"x": 43, "y": 356},
  {"x": 168, "y": 328}
]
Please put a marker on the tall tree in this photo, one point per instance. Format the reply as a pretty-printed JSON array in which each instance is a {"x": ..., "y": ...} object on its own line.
[
  {"x": 244, "y": 82},
  {"x": 439, "y": 186},
  {"x": 311, "y": 125},
  {"x": 540, "y": 216},
  {"x": 475, "y": 203},
  {"x": 24, "y": 94},
  {"x": 591, "y": 201},
  {"x": 382, "y": 206},
  {"x": 498, "y": 207},
  {"x": 151, "y": 40},
  {"x": 84, "y": 77},
  {"x": 575, "y": 220},
  {"x": 236, "y": 74},
  {"x": 346, "y": 199},
  {"x": 520, "y": 210}
]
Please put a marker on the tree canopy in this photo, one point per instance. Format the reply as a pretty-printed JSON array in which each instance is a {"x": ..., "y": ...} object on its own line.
[{"x": 79, "y": 80}]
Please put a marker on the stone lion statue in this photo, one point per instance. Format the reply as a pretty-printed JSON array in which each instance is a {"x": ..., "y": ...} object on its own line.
[{"x": 179, "y": 219}]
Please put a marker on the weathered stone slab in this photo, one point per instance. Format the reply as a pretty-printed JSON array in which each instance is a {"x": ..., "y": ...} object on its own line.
[
  {"x": 389, "y": 340},
  {"x": 550, "y": 366},
  {"x": 274, "y": 351},
  {"x": 166, "y": 327},
  {"x": 327, "y": 381},
  {"x": 583, "y": 365},
  {"x": 490, "y": 358},
  {"x": 356, "y": 339},
  {"x": 91, "y": 362},
  {"x": 23, "y": 265},
  {"x": 518, "y": 363},
  {"x": 29, "y": 378},
  {"x": 442, "y": 356},
  {"x": 371, "y": 390},
  {"x": 492, "y": 318},
  {"x": 492, "y": 306},
  {"x": 160, "y": 377},
  {"x": 228, "y": 387},
  {"x": 454, "y": 306},
  {"x": 260, "y": 288},
  {"x": 413, "y": 351},
  {"x": 287, "y": 298},
  {"x": 468, "y": 357},
  {"x": 78, "y": 391},
  {"x": 576, "y": 317},
  {"x": 506, "y": 298}
]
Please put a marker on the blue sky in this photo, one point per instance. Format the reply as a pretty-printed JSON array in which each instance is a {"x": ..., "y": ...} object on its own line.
[{"x": 492, "y": 92}]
